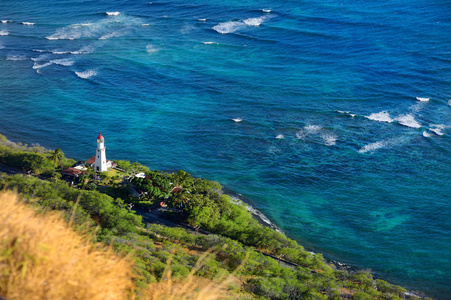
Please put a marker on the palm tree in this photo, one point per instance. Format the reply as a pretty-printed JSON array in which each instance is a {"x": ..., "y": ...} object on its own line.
[
  {"x": 57, "y": 156},
  {"x": 181, "y": 196},
  {"x": 183, "y": 180}
]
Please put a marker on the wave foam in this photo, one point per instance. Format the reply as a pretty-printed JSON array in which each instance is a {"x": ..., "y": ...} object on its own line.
[
  {"x": 112, "y": 35},
  {"x": 382, "y": 116},
  {"x": 113, "y": 13},
  {"x": 426, "y": 134},
  {"x": 232, "y": 26},
  {"x": 329, "y": 139},
  {"x": 84, "y": 50},
  {"x": 266, "y": 10},
  {"x": 40, "y": 57},
  {"x": 28, "y": 23},
  {"x": 254, "y": 21},
  {"x": 237, "y": 120},
  {"x": 437, "y": 129},
  {"x": 38, "y": 66},
  {"x": 150, "y": 49},
  {"x": 229, "y": 27},
  {"x": 86, "y": 74},
  {"x": 372, "y": 147},
  {"x": 4, "y": 32},
  {"x": 280, "y": 136},
  {"x": 313, "y": 129},
  {"x": 382, "y": 144},
  {"x": 202, "y": 20},
  {"x": 5, "y": 21},
  {"x": 15, "y": 57},
  {"x": 210, "y": 43},
  {"x": 63, "y": 62},
  {"x": 423, "y": 99},
  {"x": 449, "y": 102},
  {"x": 60, "y": 52},
  {"x": 408, "y": 120},
  {"x": 103, "y": 28}
]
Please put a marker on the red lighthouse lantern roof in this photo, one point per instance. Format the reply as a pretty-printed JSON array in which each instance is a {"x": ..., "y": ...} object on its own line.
[{"x": 100, "y": 137}]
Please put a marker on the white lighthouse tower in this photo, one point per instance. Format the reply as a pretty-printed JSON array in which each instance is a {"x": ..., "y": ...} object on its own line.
[{"x": 100, "y": 162}]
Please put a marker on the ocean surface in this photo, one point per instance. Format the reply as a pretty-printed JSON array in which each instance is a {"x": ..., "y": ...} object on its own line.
[{"x": 332, "y": 117}]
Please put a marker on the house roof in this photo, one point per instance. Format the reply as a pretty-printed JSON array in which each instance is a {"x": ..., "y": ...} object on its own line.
[
  {"x": 91, "y": 160},
  {"x": 72, "y": 171}
]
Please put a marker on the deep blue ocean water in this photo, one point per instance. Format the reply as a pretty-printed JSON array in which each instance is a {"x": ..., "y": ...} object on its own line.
[{"x": 333, "y": 118}]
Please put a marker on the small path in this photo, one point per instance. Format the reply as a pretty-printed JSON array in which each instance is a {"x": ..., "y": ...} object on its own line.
[
  {"x": 155, "y": 216},
  {"x": 10, "y": 170}
]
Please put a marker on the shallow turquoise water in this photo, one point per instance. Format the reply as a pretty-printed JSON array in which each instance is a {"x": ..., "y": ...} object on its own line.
[{"x": 334, "y": 145}]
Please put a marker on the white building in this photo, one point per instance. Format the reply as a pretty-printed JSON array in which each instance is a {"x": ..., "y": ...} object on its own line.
[
  {"x": 100, "y": 164},
  {"x": 99, "y": 161}
]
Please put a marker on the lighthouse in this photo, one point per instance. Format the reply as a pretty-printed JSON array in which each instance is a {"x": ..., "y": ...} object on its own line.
[{"x": 100, "y": 161}]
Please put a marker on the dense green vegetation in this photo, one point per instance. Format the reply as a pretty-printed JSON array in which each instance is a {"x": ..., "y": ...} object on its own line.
[
  {"x": 229, "y": 249},
  {"x": 35, "y": 159}
]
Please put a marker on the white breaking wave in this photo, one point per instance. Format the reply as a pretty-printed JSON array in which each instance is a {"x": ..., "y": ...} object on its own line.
[
  {"x": 232, "y": 26},
  {"x": 266, "y": 10},
  {"x": 211, "y": 43},
  {"x": 145, "y": 24},
  {"x": 4, "y": 32},
  {"x": 423, "y": 99},
  {"x": 229, "y": 27},
  {"x": 449, "y": 102},
  {"x": 150, "y": 49},
  {"x": 254, "y": 21},
  {"x": 28, "y": 23},
  {"x": 112, "y": 35},
  {"x": 105, "y": 28},
  {"x": 301, "y": 134},
  {"x": 86, "y": 74},
  {"x": 113, "y": 13},
  {"x": 382, "y": 116},
  {"x": 5, "y": 21},
  {"x": 313, "y": 129},
  {"x": 63, "y": 62},
  {"x": 438, "y": 129},
  {"x": 329, "y": 139},
  {"x": 408, "y": 120},
  {"x": 84, "y": 50},
  {"x": 372, "y": 147},
  {"x": 40, "y": 57},
  {"x": 202, "y": 20},
  {"x": 60, "y": 52},
  {"x": 237, "y": 120},
  {"x": 346, "y": 113},
  {"x": 280, "y": 136},
  {"x": 38, "y": 66},
  {"x": 381, "y": 144},
  {"x": 15, "y": 57},
  {"x": 426, "y": 134}
]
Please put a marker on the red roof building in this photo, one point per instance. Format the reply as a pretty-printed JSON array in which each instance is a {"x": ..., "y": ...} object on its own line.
[{"x": 72, "y": 172}]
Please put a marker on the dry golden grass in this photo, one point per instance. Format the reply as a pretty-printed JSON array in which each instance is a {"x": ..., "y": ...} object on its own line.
[{"x": 42, "y": 258}]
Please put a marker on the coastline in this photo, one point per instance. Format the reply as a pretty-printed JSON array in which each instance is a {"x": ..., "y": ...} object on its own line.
[{"x": 239, "y": 199}]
